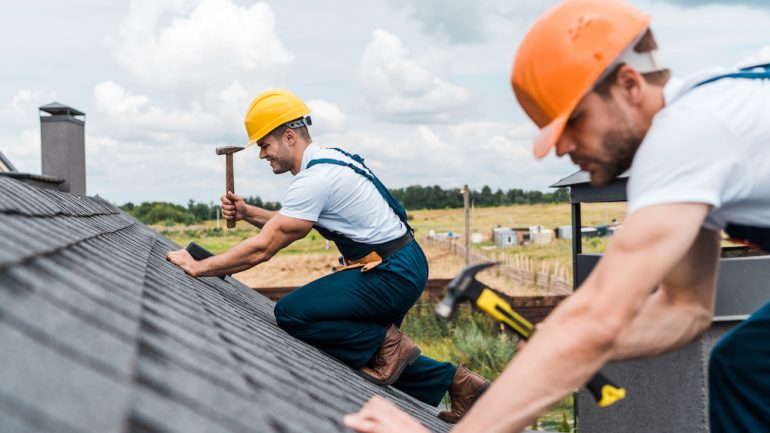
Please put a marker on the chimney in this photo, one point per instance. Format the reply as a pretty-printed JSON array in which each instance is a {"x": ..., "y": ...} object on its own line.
[{"x": 62, "y": 134}]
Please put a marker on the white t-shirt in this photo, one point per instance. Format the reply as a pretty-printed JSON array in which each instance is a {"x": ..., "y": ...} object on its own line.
[
  {"x": 710, "y": 144},
  {"x": 339, "y": 199}
]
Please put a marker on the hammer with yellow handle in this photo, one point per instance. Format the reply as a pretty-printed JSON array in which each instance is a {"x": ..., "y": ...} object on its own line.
[{"x": 465, "y": 287}]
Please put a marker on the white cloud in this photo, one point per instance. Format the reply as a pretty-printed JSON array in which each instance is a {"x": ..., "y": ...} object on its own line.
[
  {"x": 761, "y": 57},
  {"x": 129, "y": 116},
  {"x": 474, "y": 153},
  {"x": 115, "y": 100},
  {"x": 20, "y": 128},
  {"x": 206, "y": 44},
  {"x": 398, "y": 87},
  {"x": 327, "y": 117},
  {"x": 462, "y": 21}
]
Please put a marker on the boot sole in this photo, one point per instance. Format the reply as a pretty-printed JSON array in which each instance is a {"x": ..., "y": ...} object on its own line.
[
  {"x": 413, "y": 355},
  {"x": 452, "y": 419}
]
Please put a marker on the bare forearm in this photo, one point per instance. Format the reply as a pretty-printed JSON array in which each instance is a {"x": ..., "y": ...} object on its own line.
[
  {"x": 257, "y": 216},
  {"x": 661, "y": 325},
  {"x": 277, "y": 233},
  {"x": 243, "y": 256},
  {"x": 562, "y": 356},
  {"x": 681, "y": 308}
]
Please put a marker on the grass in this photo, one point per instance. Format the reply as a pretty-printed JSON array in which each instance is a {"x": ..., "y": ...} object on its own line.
[
  {"x": 423, "y": 221},
  {"x": 477, "y": 341},
  {"x": 485, "y": 219},
  {"x": 472, "y": 339},
  {"x": 219, "y": 240}
]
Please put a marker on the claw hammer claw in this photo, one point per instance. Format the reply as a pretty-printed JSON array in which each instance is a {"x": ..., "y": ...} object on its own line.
[{"x": 465, "y": 287}]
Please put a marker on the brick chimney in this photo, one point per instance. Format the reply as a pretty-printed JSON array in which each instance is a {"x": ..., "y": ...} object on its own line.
[{"x": 62, "y": 134}]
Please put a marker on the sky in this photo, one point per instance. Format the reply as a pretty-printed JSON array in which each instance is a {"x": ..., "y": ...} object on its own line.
[{"x": 420, "y": 88}]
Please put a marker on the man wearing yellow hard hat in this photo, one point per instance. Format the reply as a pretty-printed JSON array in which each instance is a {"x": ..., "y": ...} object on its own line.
[
  {"x": 698, "y": 150},
  {"x": 352, "y": 314}
]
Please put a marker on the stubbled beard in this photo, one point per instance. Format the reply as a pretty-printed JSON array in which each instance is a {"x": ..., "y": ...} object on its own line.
[
  {"x": 619, "y": 147},
  {"x": 280, "y": 168}
]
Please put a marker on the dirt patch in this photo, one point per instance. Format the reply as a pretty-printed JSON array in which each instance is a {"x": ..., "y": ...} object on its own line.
[
  {"x": 300, "y": 269},
  {"x": 288, "y": 270}
]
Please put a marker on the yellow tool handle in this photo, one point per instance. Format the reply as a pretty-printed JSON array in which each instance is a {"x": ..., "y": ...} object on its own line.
[
  {"x": 496, "y": 307},
  {"x": 602, "y": 389}
]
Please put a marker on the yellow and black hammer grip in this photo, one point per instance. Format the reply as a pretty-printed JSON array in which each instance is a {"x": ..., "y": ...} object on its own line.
[{"x": 602, "y": 389}]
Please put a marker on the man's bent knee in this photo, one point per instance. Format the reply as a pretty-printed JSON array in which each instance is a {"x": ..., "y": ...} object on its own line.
[{"x": 286, "y": 315}]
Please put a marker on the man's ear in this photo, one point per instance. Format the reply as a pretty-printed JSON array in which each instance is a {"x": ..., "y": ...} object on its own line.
[
  {"x": 630, "y": 83},
  {"x": 291, "y": 136}
]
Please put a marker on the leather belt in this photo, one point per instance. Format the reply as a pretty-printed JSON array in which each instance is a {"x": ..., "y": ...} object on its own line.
[
  {"x": 381, "y": 252},
  {"x": 392, "y": 247}
]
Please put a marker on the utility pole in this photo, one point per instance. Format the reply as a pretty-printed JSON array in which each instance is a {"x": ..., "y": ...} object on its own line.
[{"x": 466, "y": 203}]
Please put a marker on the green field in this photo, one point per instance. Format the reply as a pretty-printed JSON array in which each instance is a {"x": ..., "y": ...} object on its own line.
[
  {"x": 472, "y": 339},
  {"x": 423, "y": 221}
]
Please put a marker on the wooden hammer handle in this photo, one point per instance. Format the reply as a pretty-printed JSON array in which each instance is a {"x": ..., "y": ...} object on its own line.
[{"x": 230, "y": 181}]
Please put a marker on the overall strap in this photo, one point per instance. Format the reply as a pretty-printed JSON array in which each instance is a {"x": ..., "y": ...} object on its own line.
[
  {"x": 368, "y": 174},
  {"x": 757, "y": 72},
  {"x": 758, "y": 237}
]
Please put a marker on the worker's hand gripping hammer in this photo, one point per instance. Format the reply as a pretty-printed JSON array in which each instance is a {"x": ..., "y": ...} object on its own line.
[
  {"x": 465, "y": 286},
  {"x": 228, "y": 151}
]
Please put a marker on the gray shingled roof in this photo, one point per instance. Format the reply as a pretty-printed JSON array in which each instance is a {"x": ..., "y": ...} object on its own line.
[{"x": 98, "y": 333}]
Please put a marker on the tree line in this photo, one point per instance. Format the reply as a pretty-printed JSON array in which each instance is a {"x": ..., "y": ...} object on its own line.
[
  {"x": 435, "y": 197},
  {"x": 160, "y": 212},
  {"x": 412, "y": 197}
]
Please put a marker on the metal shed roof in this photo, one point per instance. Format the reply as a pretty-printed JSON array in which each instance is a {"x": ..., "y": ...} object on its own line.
[
  {"x": 580, "y": 178},
  {"x": 581, "y": 190}
]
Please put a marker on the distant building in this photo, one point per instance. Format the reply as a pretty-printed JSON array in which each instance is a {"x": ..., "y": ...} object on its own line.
[{"x": 505, "y": 237}]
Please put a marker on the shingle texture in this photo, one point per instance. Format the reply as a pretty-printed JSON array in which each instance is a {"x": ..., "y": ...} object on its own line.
[{"x": 98, "y": 333}]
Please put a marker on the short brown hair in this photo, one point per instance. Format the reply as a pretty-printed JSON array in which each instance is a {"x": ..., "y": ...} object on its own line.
[
  {"x": 301, "y": 131},
  {"x": 658, "y": 78}
]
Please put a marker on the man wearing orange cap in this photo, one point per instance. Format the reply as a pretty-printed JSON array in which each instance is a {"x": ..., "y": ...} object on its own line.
[{"x": 699, "y": 154}]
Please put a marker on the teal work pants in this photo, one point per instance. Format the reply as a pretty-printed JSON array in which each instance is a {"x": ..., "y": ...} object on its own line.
[
  {"x": 739, "y": 377},
  {"x": 345, "y": 315}
]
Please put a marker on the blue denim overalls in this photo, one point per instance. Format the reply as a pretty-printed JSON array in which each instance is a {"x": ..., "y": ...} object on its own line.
[{"x": 345, "y": 313}]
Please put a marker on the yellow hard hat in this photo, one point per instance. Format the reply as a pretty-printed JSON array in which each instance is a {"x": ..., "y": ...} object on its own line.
[{"x": 272, "y": 109}]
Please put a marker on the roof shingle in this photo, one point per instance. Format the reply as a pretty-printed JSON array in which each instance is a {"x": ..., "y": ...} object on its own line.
[{"x": 100, "y": 334}]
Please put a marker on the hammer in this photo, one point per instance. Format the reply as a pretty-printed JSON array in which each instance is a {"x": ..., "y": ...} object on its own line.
[
  {"x": 228, "y": 151},
  {"x": 465, "y": 287}
]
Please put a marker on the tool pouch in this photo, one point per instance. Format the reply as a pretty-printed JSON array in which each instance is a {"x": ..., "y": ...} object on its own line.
[{"x": 366, "y": 263}]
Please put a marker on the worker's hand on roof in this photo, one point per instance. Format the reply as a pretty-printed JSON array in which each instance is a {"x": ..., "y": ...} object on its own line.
[
  {"x": 381, "y": 416},
  {"x": 184, "y": 260},
  {"x": 233, "y": 206}
]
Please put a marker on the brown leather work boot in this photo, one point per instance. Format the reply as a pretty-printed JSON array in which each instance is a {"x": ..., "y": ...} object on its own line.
[
  {"x": 465, "y": 389},
  {"x": 396, "y": 353}
]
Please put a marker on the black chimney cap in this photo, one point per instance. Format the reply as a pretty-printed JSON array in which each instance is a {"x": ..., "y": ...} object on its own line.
[{"x": 56, "y": 108}]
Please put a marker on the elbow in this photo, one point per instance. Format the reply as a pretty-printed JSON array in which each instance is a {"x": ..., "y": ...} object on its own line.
[
  {"x": 702, "y": 316},
  {"x": 596, "y": 327}
]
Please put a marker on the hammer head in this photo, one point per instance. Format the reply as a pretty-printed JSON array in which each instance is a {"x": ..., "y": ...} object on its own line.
[
  {"x": 463, "y": 287},
  {"x": 224, "y": 150}
]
